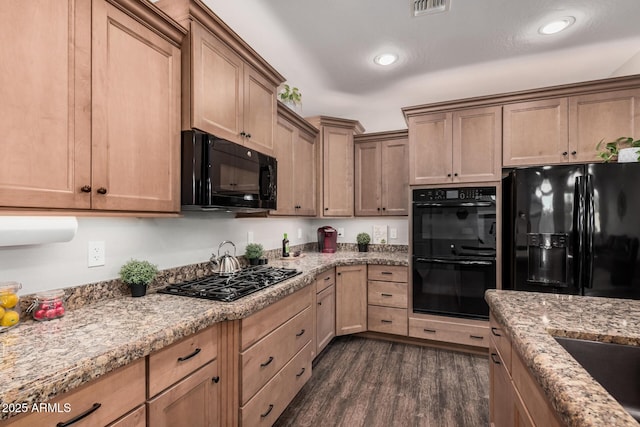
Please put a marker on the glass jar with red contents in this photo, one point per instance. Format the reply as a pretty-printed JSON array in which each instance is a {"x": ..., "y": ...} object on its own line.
[{"x": 48, "y": 305}]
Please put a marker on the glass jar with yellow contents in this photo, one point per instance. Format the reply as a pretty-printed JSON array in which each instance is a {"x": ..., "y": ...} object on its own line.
[{"x": 9, "y": 305}]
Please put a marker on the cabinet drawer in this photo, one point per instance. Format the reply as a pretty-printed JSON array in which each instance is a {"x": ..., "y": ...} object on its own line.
[
  {"x": 264, "y": 359},
  {"x": 267, "y": 405},
  {"x": 452, "y": 332},
  {"x": 502, "y": 342},
  {"x": 388, "y": 294},
  {"x": 260, "y": 324},
  {"x": 172, "y": 363},
  {"x": 325, "y": 279},
  {"x": 104, "y": 400},
  {"x": 387, "y": 273},
  {"x": 387, "y": 320}
]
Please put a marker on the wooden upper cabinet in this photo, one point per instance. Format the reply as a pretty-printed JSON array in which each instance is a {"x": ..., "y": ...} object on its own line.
[
  {"x": 336, "y": 164},
  {"x": 381, "y": 174},
  {"x": 607, "y": 115},
  {"x": 91, "y": 105},
  {"x": 535, "y": 132},
  {"x": 459, "y": 146},
  {"x": 135, "y": 114},
  {"x": 228, "y": 90},
  {"x": 295, "y": 150},
  {"x": 45, "y": 114}
]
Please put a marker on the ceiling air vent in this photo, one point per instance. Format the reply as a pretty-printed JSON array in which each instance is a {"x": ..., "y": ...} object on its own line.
[{"x": 428, "y": 7}]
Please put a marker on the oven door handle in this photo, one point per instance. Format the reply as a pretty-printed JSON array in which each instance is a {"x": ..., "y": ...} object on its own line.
[
  {"x": 452, "y": 204},
  {"x": 454, "y": 261}
]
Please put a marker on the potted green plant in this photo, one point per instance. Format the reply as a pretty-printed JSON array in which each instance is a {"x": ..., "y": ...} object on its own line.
[
  {"x": 253, "y": 252},
  {"x": 290, "y": 96},
  {"x": 625, "y": 149},
  {"x": 363, "y": 240},
  {"x": 138, "y": 274}
]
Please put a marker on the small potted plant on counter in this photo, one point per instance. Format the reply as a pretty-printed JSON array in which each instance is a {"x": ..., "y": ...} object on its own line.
[
  {"x": 363, "y": 240},
  {"x": 138, "y": 274},
  {"x": 625, "y": 149},
  {"x": 253, "y": 252}
]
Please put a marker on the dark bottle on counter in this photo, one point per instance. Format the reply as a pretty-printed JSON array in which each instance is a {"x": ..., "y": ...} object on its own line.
[{"x": 285, "y": 246}]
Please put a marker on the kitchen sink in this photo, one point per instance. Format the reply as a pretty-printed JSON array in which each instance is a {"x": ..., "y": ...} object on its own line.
[{"x": 615, "y": 366}]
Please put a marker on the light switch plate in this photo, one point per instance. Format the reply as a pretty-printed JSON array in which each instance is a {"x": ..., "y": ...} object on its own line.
[{"x": 393, "y": 233}]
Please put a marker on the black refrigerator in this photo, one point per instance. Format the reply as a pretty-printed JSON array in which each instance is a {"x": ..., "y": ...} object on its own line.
[{"x": 573, "y": 229}]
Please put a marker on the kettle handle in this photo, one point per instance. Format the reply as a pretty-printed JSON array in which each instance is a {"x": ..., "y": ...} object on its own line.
[{"x": 224, "y": 243}]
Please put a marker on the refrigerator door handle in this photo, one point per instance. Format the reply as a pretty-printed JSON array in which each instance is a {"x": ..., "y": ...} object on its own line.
[
  {"x": 590, "y": 230},
  {"x": 579, "y": 207}
]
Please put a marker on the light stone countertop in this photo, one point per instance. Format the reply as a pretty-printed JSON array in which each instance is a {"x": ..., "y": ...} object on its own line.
[
  {"x": 531, "y": 320},
  {"x": 40, "y": 360}
]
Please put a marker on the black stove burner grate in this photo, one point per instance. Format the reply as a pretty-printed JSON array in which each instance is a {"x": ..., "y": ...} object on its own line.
[{"x": 232, "y": 287}]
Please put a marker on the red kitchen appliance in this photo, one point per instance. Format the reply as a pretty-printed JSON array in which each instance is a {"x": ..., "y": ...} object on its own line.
[{"x": 327, "y": 239}]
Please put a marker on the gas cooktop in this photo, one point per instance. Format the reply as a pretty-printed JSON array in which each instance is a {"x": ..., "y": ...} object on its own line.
[{"x": 232, "y": 287}]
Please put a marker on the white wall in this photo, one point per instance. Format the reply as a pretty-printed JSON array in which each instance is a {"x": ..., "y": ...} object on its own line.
[{"x": 167, "y": 242}]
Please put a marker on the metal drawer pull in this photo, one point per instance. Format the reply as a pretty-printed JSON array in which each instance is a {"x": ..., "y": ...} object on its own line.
[
  {"x": 386, "y": 321},
  {"x": 268, "y": 412},
  {"x": 319, "y": 302},
  {"x": 387, "y": 295},
  {"x": 493, "y": 331},
  {"x": 215, "y": 379},
  {"x": 476, "y": 337},
  {"x": 183, "y": 358},
  {"x": 81, "y": 416},
  {"x": 431, "y": 331},
  {"x": 301, "y": 333},
  {"x": 267, "y": 362},
  {"x": 386, "y": 272},
  {"x": 301, "y": 372},
  {"x": 327, "y": 278},
  {"x": 493, "y": 359}
]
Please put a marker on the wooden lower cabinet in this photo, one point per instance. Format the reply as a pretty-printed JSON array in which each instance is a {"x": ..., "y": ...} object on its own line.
[
  {"x": 515, "y": 398},
  {"x": 388, "y": 299},
  {"x": 97, "y": 403},
  {"x": 474, "y": 333},
  {"x": 387, "y": 320},
  {"x": 193, "y": 401},
  {"x": 351, "y": 299},
  {"x": 325, "y": 318}
]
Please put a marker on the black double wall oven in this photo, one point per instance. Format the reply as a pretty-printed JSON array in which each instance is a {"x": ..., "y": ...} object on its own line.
[{"x": 453, "y": 250}]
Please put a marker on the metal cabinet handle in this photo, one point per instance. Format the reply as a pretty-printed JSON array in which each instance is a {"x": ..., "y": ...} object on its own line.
[
  {"x": 267, "y": 362},
  {"x": 327, "y": 278},
  {"x": 476, "y": 337},
  {"x": 574, "y": 152},
  {"x": 268, "y": 411},
  {"x": 455, "y": 174},
  {"x": 102, "y": 190},
  {"x": 319, "y": 302},
  {"x": 386, "y": 295},
  {"x": 301, "y": 333},
  {"x": 493, "y": 331},
  {"x": 183, "y": 358},
  {"x": 431, "y": 331},
  {"x": 248, "y": 135},
  {"x": 564, "y": 153},
  {"x": 386, "y": 321},
  {"x": 215, "y": 379},
  {"x": 386, "y": 273},
  {"x": 301, "y": 372},
  {"x": 243, "y": 134},
  {"x": 85, "y": 189},
  {"x": 77, "y": 418},
  {"x": 493, "y": 359}
]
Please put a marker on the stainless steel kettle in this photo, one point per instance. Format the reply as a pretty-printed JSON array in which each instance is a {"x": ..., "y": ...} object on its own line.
[{"x": 226, "y": 264}]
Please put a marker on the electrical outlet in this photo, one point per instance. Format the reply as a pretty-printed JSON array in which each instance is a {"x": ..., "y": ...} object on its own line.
[
  {"x": 340, "y": 232},
  {"x": 249, "y": 236},
  {"x": 96, "y": 254},
  {"x": 393, "y": 233}
]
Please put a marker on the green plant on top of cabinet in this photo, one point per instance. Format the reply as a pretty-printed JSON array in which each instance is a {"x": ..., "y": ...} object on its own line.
[
  {"x": 381, "y": 173},
  {"x": 336, "y": 164},
  {"x": 454, "y": 146},
  {"x": 296, "y": 151},
  {"x": 228, "y": 89},
  {"x": 104, "y": 135}
]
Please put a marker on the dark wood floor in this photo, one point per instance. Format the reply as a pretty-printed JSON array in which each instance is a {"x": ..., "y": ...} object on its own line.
[{"x": 366, "y": 382}]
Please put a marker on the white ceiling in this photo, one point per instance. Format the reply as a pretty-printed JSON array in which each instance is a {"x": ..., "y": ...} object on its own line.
[{"x": 326, "y": 48}]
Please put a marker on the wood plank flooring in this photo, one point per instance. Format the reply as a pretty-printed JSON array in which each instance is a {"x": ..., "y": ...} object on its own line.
[{"x": 366, "y": 382}]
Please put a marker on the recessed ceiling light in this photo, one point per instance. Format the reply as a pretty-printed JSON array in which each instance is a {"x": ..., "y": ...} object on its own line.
[
  {"x": 385, "y": 59},
  {"x": 557, "y": 26}
]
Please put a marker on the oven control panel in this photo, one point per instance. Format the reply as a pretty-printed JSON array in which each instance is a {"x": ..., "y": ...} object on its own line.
[{"x": 466, "y": 193}]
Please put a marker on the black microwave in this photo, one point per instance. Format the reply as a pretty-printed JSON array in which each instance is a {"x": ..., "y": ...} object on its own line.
[{"x": 221, "y": 175}]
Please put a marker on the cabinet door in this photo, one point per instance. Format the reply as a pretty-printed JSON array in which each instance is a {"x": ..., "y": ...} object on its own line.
[
  {"x": 135, "y": 115},
  {"x": 284, "y": 151},
  {"x": 351, "y": 299},
  {"x": 325, "y": 318},
  {"x": 304, "y": 174},
  {"x": 368, "y": 197},
  {"x": 430, "y": 155},
  {"x": 217, "y": 80},
  {"x": 535, "y": 132},
  {"x": 607, "y": 116},
  {"x": 501, "y": 397},
  {"x": 477, "y": 142},
  {"x": 45, "y": 115},
  {"x": 394, "y": 159},
  {"x": 194, "y": 401},
  {"x": 260, "y": 111},
  {"x": 337, "y": 171}
]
